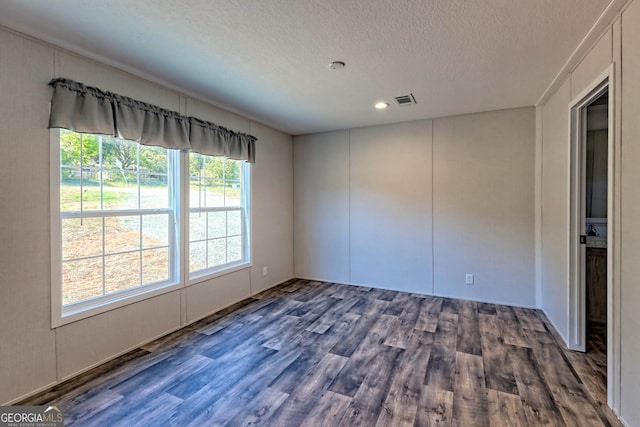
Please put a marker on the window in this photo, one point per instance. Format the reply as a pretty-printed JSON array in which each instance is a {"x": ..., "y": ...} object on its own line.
[
  {"x": 116, "y": 218},
  {"x": 217, "y": 214},
  {"x": 120, "y": 208}
]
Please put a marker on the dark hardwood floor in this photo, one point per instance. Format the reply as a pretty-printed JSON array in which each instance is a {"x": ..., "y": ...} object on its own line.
[
  {"x": 322, "y": 354},
  {"x": 591, "y": 366}
]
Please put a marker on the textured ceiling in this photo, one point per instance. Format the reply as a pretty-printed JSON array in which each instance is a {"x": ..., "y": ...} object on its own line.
[{"x": 269, "y": 59}]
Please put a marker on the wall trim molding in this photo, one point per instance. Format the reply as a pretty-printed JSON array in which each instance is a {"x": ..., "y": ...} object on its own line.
[{"x": 601, "y": 25}]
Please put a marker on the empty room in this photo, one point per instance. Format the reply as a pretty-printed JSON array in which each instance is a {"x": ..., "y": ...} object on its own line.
[{"x": 320, "y": 213}]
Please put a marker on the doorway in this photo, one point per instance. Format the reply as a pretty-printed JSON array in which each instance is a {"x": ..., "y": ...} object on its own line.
[
  {"x": 595, "y": 146},
  {"x": 593, "y": 302}
]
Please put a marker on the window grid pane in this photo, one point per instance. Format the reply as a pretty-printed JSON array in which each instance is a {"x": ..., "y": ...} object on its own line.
[
  {"x": 217, "y": 255},
  {"x": 87, "y": 273},
  {"x": 118, "y": 212},
  {"x": 106, "y": 246},
  {"x": 118, "y": 240},
  {"x": 155, "y": 265},
  {"x": 216, "y": 238},
  {"x": 122, "y": 271},
  {"x": 216, "y": 215}
]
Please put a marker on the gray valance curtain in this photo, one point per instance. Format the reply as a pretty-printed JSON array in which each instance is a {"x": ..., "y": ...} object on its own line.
[{"x": 87, "y": 109}]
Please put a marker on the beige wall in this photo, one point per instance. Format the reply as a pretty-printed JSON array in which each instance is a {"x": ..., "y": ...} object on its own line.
[
  {"x": 555, "y": 209},
  {"x": 630, "y": 198},
  {"x": 415, "y": 206},
  {"x": 390, "y": 184},
  {"x": 28, "y": 349},
  {"x": 32, "y": 355},
  {"x": 483, "y": 202},
  {"x": 321, "y": 208},
  {"x": 554, "y": 184},
  {"x": 593, "y": 64},
  {"x": 620, "y": 45},
  {"x": 272, "y": 207}
]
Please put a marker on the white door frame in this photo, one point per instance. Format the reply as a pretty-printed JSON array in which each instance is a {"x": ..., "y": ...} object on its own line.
[{"x": 577, "y": 290}]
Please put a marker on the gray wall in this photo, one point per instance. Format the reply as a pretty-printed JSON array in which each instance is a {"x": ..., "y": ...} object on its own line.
[
  {"x": 620, "y": 44},
  {"x": 555, "y": 210},
  {"x": 321, "y": 208},
  {"x": 630, "y": 212},
  {"x": 415, "y": 206},
  {"x": 32, "y": 355},
  {"x": 554, "y": 184},
  {"x": 390, "y": 206}
]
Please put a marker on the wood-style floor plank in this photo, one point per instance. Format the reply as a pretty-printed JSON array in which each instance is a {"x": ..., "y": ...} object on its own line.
[
  {"x": 359, "y": 364},
  {"x": 286, "y": 336},
  {"x": 428, "y": 317},
  {"x": 511, "y": 329},
  {"x": 470, "y": 405},
  {"x": 397, "y": 305},
  {"x": 401, "y": 404},
  {"x": 505, "y": 410},
  {"x": 563, "y": 384},
  {"x": 365, "y": 407},
  {"x": 313, "y": 348},
  {"x": 442, "y": 359},
  {"x": 322, "y": 323},
  {"x": 593, "y": 378},
  {"x": 435, "y": 408},
  {"x": 328, "y": 411},
  {"x": 403, "y": 328},
  {"x": 325, "y": 354},
  {"x": 450, "y": 305},
  {"x": 537, "y": 402},
  {"x": 368, "y": 316},
  {"x": 241, "y": 394},
  {"x": 529, "y": 320},
  {"x": 260, "y": 409},
  {"x": 228, "y": 368},
  {"x": 497, "y": 366},
  {"x": 309, "y": 291},
  {"x": 295, "y": 408},
  {"x": 162, "y": 374},
  {"x": 486, "y": 308},
  {"x": 127, "y": 411},
  {"x": 468, "y": 340},
  {"x": 86, "y": 409}
]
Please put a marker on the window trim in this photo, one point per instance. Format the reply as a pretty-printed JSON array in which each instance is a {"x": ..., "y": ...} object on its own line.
[
  {"x": 203, "y": 275},
  {"x": 179, "y": 193},
  {"x": 62, "y": 315},
  {"x": 247, "y": 176}
]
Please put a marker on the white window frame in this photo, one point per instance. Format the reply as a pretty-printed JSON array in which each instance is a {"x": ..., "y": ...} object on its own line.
[
  {"x": 180, "y": 276},
  {"x": 62, "y": 314},
  {"x": 245, "y": 209}
]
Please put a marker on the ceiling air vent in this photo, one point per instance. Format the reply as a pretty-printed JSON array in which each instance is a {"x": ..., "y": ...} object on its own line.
[{"x": 406, "y": 100}]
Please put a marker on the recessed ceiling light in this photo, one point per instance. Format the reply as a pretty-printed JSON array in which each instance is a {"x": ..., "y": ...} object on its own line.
[
  {"x": 381, "y": 105},
  {"x": 337, "y": 65}
]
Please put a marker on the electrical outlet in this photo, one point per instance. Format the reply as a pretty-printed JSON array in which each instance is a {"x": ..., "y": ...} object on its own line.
[
  {"x": 265, "y": 271},
  {"x": 469, "y": 279}
]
